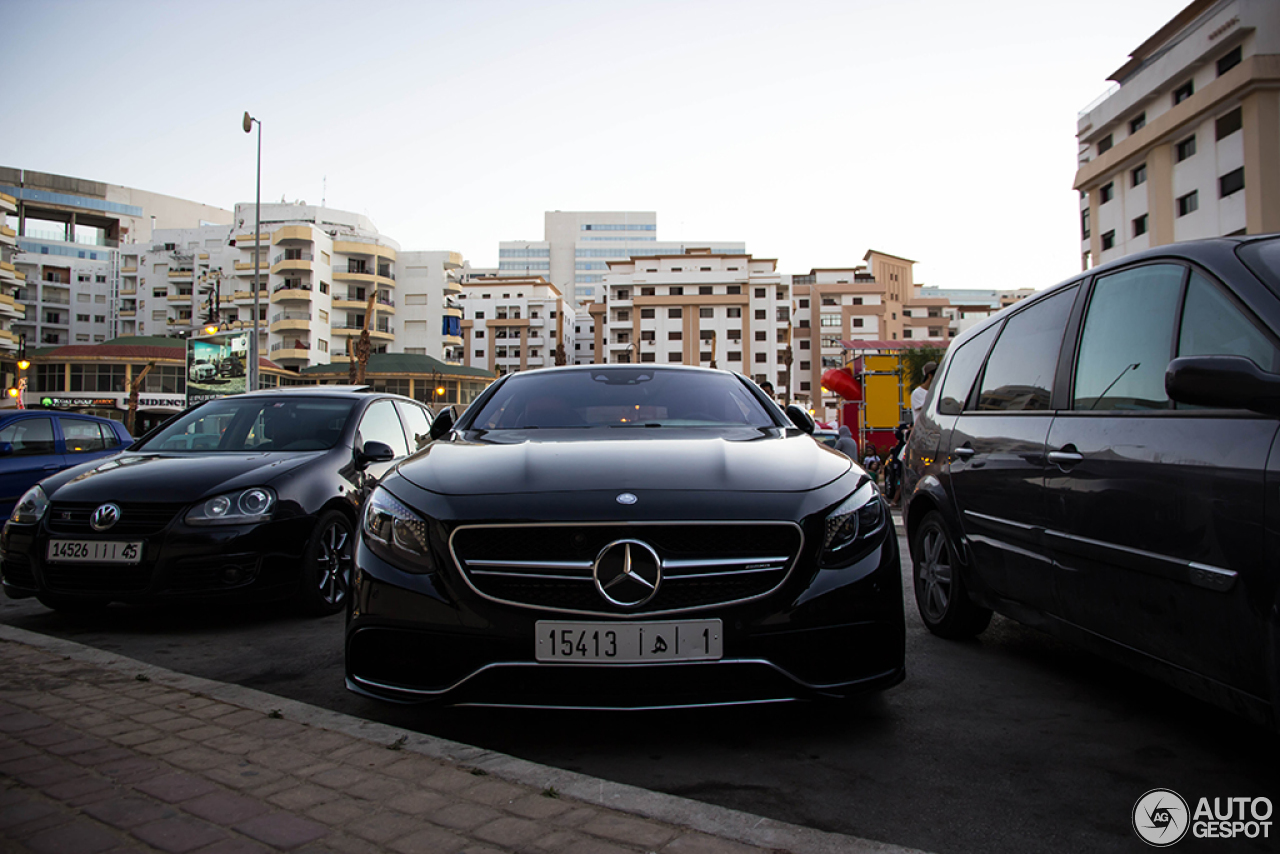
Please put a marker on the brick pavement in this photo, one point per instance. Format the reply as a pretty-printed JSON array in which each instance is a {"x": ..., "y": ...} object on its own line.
[{"x": 100, "y": 754}]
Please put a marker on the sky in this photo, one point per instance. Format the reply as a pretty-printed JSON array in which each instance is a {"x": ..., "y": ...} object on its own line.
[{"x": 813, "y": 131}]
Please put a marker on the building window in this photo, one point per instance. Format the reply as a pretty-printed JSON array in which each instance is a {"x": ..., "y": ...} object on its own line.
[
  {"x": 647, "y": 313},
  {"x": 673, "y": 357},
  {"x": 1084, "y": 224},
  {"x": 1104, "y": 144},
  {"x": 623, "y": 293},
  {"x": 1108, "y": 240},
  {"x": 762, "y": 357},
  {"x": 705, "y": 290},
  {"x": 1185, "y": 149},
  {"x": 804, "y": 303},
  {"x": 706, "y": 312},
  {"x": 1138, "y": 123},
  {"x": 857, "y": 323},
  {"x": 1183, "y": 92},
  {"x": 1232, "y": 182},
  {"x": 1108, "y": 192},
  {"x": 762, "y": 314},
  {"x": 759, "y": 293},
  {"x": 675, "y": 313},
  {"x": 1228, "y": 124},
  {"x": 1140, "y": 226},
  {"x": 676, "y": 291},
  {"x": 674, "y": 336},
  {"x": 1188, "y": 203},
  {"x": 733, "y": 311},
  {"x": 1138, "y": 175},
  {"x": 1229, "y": 60},
  {"x": 762, "y": 335}
]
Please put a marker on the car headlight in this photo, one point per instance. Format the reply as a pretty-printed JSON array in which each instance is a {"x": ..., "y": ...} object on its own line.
[
  {"x": 244, "y": 507},
  {"x": 31, "y": 507},
  {"x": 852, "y": 524},
  {"x": 395, "y": 533}
]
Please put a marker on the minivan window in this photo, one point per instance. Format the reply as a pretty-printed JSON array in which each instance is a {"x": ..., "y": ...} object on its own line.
[
  {"x": 1212, "y": 325},
  {"x": 1019, "y": 374},
  {"x": 1128, "y": 339},
  {"x": 962, "y": 370}
]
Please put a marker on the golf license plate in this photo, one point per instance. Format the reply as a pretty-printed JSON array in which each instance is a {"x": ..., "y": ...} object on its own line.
[
  {"x": 93, "y": 551},
  {"x": 629, "y": 643}
]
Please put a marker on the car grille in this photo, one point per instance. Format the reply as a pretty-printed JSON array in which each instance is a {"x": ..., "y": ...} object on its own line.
[
  {"x": 137, "y": 519},
  {"x": 551, "y": 567},
  {"x": 96, "y": 578}
]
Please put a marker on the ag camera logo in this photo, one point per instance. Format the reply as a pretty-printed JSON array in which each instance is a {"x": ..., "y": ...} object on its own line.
[{"x": 1160, "y": 818}]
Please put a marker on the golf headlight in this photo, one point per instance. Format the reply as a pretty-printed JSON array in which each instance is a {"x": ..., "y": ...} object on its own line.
[
  {"x": 396, "y": 534},
  {"x": 31, "y": 507},
  {"x": 245, "y": 507},
  {"x": 852, "y": 525}
]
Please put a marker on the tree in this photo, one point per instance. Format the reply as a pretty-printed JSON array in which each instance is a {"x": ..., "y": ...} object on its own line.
[
  {"x": 913, "y": 360},
  {"x": 134, "y": 387}
]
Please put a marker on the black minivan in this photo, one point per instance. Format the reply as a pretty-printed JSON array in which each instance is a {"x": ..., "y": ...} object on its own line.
[{"x": 1102, "y": 461}]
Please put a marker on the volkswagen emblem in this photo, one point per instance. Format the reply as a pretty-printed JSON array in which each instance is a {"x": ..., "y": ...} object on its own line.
[
  {"x": 627, "y": 573},
  {"x": 104, "y": 517},
  {"x": 627, "y": 498}
]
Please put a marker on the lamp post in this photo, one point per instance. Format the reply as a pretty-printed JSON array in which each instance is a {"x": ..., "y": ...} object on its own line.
[{"x": 251, "y": 381}]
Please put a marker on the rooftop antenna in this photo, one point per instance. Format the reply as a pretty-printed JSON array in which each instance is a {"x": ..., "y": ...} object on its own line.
[{"x": 324, "y": 189}]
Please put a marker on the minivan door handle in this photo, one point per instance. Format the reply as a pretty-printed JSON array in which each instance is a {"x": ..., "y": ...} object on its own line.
[{"x": 1068, "y": 456}]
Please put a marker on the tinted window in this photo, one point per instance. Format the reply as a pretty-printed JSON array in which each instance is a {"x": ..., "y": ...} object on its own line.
[
  {"x": 381, "y": 424},
  {"x": 29, "y": 436},
  {"x": 81, "y": 436},
  {"x": 1263, "y": 259},
  {"x": 1019, "y": 373},
  {"x": 621, "y": 397},
  {"x": 1128, "y": 339},
  {"x": 962, "y": 370},
  {"x": 418, "y": 423},
  {"x": 1212, "y": 325},
  {"x": 256, "y": 423}
]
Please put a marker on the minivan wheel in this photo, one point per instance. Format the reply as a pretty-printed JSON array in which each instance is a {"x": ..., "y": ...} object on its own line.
[
  {"x": 941, "y": 598},
  {"x": 327, "y": 566}
]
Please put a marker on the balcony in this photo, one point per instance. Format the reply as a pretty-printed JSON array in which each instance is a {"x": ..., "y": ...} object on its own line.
[
  {"x": 128, "y": 312},
  {"x": 281, "y": 264},
  {"x": 130, "y": 270},
  {"x": 380, "y": 334},
  {"x": 296, "y": 349},
  {"x": 291, "y": 321},
  {"x": 181, "y": 274},
  {"x": 239, "y": 297},
  {"x": 8, "y": 235},
  {"x": 292, "y": 232},
  {"x": 178, "y": 297},
  {"x": 284, "y": 293}
]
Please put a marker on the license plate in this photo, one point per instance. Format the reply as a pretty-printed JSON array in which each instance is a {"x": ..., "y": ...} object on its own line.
[
  {"x": 629, "y": 643},
  {"x": 93, "y": 551}
]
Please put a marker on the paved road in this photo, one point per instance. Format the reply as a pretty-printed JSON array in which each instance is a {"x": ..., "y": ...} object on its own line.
[{"x": 1015, "y": 742}]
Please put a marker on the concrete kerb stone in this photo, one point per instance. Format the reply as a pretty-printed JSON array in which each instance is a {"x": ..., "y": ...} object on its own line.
[{"x": 671, "y": 809}]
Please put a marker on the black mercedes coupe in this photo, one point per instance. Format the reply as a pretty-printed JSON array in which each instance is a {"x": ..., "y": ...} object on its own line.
[{"x": 620, "y": 536}]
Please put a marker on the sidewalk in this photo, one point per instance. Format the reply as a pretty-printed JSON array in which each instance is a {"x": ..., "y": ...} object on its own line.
[{"x": 104, "y": 754}]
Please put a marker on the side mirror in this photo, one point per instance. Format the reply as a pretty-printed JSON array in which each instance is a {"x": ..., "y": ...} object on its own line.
[
  {"x": 800, "y": 417},
  {"x": 444, "y": 421},
  {"x": 6, "y": 449},
  {"x": 1223, "y": 382},
  {"x": 374, "y": 452}
]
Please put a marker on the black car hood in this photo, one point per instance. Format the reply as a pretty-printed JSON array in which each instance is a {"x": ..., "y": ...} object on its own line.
[
  {"x": 178, "y": 478},
  {"x": 528, "y": 461}
]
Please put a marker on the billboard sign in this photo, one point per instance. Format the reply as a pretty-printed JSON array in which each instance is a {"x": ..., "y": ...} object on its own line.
[{"x": 217, "y": 365}]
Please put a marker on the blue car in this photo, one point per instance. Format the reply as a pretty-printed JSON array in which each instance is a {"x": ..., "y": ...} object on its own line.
[{"x": 35, "y": 443}]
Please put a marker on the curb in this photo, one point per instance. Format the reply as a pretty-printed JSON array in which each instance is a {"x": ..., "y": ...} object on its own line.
[{"x": 706, "y": 818}]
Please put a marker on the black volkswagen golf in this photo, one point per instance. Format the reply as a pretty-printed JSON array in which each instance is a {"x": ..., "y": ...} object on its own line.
[
  {"x": 1103, "y": 461},
  {"x": 247, "y": 496},
  {"x": 625, "y": 537}
]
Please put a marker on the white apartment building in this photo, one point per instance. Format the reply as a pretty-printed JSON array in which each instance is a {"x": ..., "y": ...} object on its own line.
[
  {"x": 578, "y": 246},
  {"x": 12, "y": 281},
  {"x": 1187, "y": 143},
  {"x": 67, "y": 234},
  {"x": 514, "y": 323},
  {"x": 699, "y": 307},
  {"x": 321, "y": 271}
]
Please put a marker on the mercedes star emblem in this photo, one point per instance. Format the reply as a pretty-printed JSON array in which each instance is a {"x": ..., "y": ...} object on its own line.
[
  {"x": 627, "y": 498},
  {"x": 628, "y": 573}
]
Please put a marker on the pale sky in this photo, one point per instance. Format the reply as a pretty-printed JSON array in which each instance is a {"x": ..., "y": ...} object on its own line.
[{"x": 937, "y": 130}]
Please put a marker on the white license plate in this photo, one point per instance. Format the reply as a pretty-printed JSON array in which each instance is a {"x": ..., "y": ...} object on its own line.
[
  {"x": 630, "y": 643},
  {"x": 93, "y": 551}
]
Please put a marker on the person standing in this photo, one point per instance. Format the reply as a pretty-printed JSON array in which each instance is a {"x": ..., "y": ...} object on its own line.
[
  {"x": 845, "y": 443},
  {"x": 921, "y": 393}
]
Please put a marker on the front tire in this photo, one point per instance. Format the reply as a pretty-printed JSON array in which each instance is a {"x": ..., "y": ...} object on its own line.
[
  {"x": 941, "y": 598},
  {"x": 327, "y": 566}
]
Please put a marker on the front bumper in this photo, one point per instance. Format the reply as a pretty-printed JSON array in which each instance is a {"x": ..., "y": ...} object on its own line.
[
  {"x": 429, "y": 639},
  {"x": 252, "y": 561}
]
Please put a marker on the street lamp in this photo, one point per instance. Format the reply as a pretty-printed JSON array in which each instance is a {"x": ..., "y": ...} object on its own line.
[{"x": 251, "y": 381}]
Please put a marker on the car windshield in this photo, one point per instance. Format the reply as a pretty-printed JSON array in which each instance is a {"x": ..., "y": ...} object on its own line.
[
  {"x": 238, "y": 424},
  {"x": 621, "y": 397}
]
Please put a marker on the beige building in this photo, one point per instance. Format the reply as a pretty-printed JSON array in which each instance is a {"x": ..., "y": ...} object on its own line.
[
  {"x": 513, "y": 323},
  {"x": 1186, "y": 144},
  {"x": 12, "y": 280}
]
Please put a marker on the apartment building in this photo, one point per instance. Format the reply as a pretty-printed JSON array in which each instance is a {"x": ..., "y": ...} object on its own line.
[
  {"x": 514, "y": 323},
  {"x": 1186, "y": 143},
  {"x": 67, "y": 235},
  {"x": 428, "y": 320},
  {"x": 698, "y": 307},
  {"x": 12, "y": 282},
  {"x": 578, "y": 246}
]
